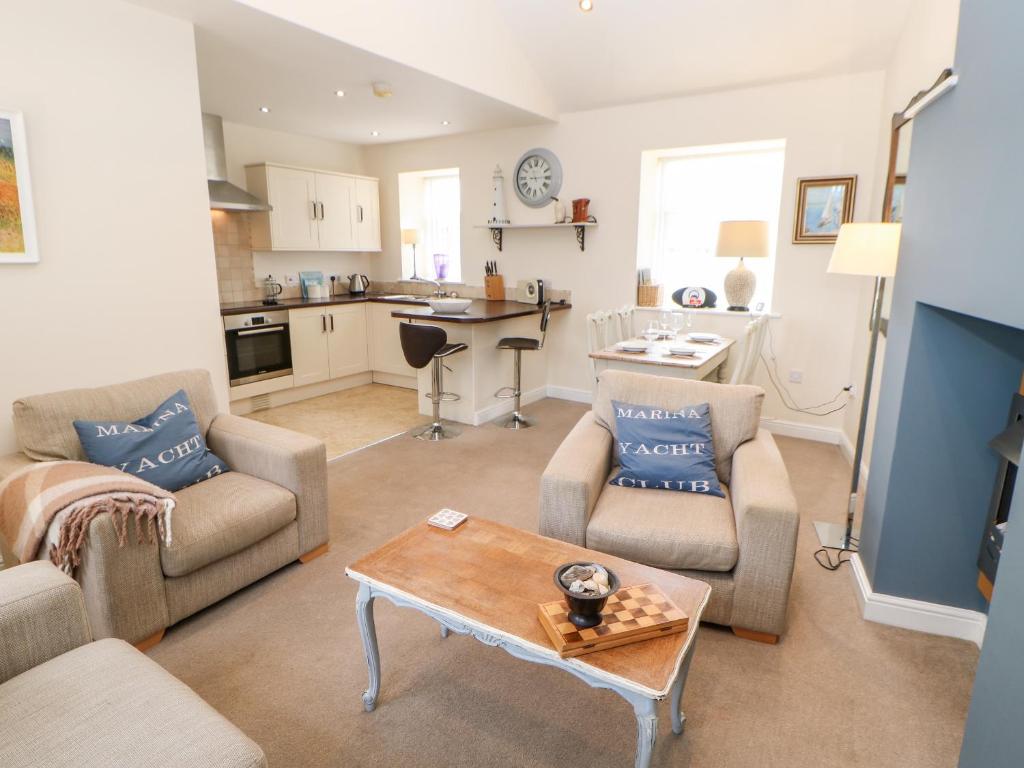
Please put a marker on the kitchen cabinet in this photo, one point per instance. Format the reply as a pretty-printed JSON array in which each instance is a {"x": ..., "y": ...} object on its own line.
[
  {"x": 314, "y": 210},
  {"x": 386, "y": 353},
  {"x": 327, "y": 343}
]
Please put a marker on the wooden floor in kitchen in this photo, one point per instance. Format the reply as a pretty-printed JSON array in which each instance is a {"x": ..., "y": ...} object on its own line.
[{"x": 350, "y": 419}]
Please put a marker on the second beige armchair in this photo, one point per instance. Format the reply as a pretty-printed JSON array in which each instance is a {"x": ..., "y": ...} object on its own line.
[
  {"x": 743, "y": 545},
  {"x": 228, "y": 531}
]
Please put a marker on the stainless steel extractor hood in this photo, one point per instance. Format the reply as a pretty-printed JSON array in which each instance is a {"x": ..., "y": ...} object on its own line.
[{"x": 224, "y": 196}]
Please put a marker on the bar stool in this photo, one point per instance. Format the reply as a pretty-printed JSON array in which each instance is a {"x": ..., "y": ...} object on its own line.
[
  {"x": 424, "y": 345},
  {"x": 517, "y": 345}
]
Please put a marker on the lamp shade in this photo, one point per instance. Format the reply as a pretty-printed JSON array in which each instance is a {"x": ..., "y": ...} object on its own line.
[
  {"x": 866, "y": 249},
  {"x": 410, "y": 236},
  {"x": 742, "y": 239}
]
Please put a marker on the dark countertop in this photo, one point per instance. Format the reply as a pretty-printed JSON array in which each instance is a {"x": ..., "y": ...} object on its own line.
[
  {"x": 481, "y": 311},
  {"x": 248, "y": 307}
]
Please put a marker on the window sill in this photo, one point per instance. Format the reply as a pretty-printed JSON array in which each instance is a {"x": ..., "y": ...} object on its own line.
[{"x": 698, "y": 311}]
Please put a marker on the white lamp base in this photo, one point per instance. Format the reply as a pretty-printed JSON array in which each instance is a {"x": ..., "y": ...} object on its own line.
[{"x": 739, "y": 288}]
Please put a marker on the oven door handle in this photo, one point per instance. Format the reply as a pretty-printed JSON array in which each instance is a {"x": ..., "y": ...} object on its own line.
[{"x": 257, "y": 331}]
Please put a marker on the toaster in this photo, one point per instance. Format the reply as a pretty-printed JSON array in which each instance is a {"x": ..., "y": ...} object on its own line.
[{"x": 530, "y": 291}]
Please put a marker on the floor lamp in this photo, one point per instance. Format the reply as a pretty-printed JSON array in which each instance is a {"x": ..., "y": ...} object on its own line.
[{"x": 861, "y": 249}]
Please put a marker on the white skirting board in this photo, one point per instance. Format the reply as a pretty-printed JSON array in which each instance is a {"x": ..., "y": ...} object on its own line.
[
  {"x": 504, "y": 406},
  {"x": 933, "y": 618}
]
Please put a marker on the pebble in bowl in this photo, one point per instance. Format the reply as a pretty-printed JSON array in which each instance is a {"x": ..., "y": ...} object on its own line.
[
  {"x": 587, "y": 587},
  {"x": 450, "y": 305}
]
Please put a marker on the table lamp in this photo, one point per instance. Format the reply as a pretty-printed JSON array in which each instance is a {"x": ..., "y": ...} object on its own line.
[
  {"x": 861, "y": 249},
  {"x": 411, "y": 237},
  {"x": 742, "y": 240}
]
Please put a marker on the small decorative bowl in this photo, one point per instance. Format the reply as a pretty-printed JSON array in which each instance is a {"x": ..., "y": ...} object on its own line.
[{"x": 585, "y": 610}]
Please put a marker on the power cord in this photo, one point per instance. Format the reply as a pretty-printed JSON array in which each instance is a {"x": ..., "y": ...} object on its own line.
[
  {"x": 784, "y": 394},
  {"x": 829, "y": 564}
]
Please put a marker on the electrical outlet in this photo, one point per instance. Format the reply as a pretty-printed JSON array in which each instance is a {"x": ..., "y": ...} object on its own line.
[
  {"x": 796, "y": 377},
  {"x": 852, "y": 390},
  {"x": 291, "y": 280}
]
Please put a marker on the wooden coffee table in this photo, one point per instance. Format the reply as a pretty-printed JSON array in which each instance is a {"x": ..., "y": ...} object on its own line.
[{"x": 448, "y": 575}]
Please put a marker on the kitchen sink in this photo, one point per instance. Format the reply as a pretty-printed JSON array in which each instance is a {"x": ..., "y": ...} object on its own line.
[{"x": 404, "y": 297}]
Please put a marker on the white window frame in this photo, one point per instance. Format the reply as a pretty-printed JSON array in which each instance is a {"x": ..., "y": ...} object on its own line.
[{"x": 414, "y": 213}]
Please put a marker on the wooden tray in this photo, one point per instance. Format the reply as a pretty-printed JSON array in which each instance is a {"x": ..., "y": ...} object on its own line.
[{"x": 632, "y": 614}]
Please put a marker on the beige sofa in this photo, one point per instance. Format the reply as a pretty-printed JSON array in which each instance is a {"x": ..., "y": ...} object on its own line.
[
  {"x": 743, "y": 545},
  {"x": 228, "y": 531},
  {"x": 67, "y": 701}
]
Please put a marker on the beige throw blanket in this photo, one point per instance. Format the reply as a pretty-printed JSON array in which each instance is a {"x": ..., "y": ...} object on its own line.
[{"x": 75, "y": 492}]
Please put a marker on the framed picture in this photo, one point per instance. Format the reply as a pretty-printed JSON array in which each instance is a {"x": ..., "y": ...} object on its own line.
[
  {"x": 822, "y": 206},
  {"x": 899, "y": 186},
  {"x": 17, "y": 222}
]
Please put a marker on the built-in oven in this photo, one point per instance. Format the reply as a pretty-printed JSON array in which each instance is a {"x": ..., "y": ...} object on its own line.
[{"x": 258, "y": 346}]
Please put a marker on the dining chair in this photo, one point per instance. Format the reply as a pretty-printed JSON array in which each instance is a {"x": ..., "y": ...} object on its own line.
[
  {"x": 599, "y": 329},
  {"x": 753, "y": 340}
]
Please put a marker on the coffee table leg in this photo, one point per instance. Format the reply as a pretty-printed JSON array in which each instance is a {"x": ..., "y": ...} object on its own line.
[
  {"x": 364, "y": 616},
  {"x": 646, "y": 730},
  {"x": 678, "y": 718},
  {"x": 444, "y": 631}
]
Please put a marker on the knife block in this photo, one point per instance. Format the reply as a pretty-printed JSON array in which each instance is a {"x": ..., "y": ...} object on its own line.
[{"x": 494, "y": 287}]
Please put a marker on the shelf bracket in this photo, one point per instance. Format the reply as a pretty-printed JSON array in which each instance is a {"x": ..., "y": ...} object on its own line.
[
  {"x": 496, "y": 236},
  {"x": 581, "y": 234}
]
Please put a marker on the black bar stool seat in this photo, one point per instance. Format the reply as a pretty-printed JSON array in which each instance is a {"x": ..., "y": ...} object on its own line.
[
  {"x": 518, "y": 345},
  {"x": 425, "y": 345}
]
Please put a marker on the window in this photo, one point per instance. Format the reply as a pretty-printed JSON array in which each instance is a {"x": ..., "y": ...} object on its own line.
[
  {"x": 430, "y": 203},
  {"x": 686, "y": 193}
]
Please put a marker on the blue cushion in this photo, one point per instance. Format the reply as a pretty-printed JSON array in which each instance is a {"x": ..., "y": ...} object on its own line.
[
  {"x": 665, "y": 448},
  {"x": 165, "y": 448}
]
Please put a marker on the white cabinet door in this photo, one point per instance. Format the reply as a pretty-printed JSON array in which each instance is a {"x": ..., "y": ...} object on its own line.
[
  {"x": 309, "y": 336},
  {"x": 335, "y": 198},
  {"x": 367, "y": 214},
  {"x": 347, "y": 340},
  {"x": 293, "y": 224},
  {"x": 386, "y": 353}
]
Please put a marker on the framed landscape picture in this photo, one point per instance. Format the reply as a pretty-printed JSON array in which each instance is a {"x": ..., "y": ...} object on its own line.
[
  {"x": 17, "y": 223},
  {"x": 822, "y": 206}
]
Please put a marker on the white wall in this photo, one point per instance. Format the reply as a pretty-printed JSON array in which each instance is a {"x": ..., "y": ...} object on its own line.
[
  {"x": 246, "y": 145},
  {"x": 830, "y": 127},
  {"x": 926, "y": 47},
  {"x": 127, "y": 285}
]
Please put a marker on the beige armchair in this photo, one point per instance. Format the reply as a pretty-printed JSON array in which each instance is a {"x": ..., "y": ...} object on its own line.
[
  {"x": 743, "y": 545},
  {"x": 67, "y": 701},
  {"x": 229, "y": 531}
]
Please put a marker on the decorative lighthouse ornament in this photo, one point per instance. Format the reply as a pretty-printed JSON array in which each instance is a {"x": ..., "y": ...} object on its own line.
[{"x": 499, "y": 214}]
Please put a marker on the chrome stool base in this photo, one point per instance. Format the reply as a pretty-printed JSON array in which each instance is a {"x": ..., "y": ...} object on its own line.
[
  {"x": 435, "y": 432},
  {"x": 517, "y": 421}
]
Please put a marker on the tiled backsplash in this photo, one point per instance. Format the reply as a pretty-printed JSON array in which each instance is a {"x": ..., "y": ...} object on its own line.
[{"x": 231, "y": 245}]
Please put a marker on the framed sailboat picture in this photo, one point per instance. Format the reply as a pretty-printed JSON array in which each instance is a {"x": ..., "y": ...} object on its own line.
[
  {"x": 17, "y": 223},
  {"x": 823, "y": 204}
]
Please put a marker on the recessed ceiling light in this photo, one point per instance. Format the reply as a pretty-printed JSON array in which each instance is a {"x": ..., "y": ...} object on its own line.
[
  {"x": 446, "y": 122},
  {"x": 586, "y": 5},
  {"x": 264, "y": 110},
  {"x": 339, "y": 94},
  {"x": 375, "y": 133}
]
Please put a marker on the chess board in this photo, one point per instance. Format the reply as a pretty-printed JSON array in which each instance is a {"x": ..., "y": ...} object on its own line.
[{"x": 631, "y": 615}]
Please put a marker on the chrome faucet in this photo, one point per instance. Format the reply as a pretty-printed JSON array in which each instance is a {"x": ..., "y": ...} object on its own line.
[{"x": 439, "y": 292}]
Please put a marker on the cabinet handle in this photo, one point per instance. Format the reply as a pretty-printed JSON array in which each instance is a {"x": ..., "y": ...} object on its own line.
[
  {"x": 314, "y": 210},
  {"x": 323, "y": 323},
  {"x": 321, "y": 211},
  {"x": 359, "y": 209},
  {"x": 332, "y": 323}
]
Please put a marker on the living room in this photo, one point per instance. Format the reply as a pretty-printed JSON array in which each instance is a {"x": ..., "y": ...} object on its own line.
[{"x": 150, "y": 619}]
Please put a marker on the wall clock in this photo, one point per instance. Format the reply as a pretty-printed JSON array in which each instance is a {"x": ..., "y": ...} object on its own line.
[{"x": 538, "y": 177}]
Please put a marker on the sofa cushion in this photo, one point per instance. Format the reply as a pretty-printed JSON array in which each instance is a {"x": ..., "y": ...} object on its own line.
[
  {"x": 665, "y": 530},
  {"x": 43, "y": 423},
  {"x": 668, "y": 450},
  {"x": 164, "y": 447},
  {"x": 106, "y": 704},
  {"x": 735, "y": 409},
  {"x": 222, "y": 516}
]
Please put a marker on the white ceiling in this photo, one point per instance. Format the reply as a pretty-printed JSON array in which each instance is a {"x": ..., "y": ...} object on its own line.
[
  {"x": 248, "y": 59},
  {"x": 636, "y": 50},
  {"x": 519, "y": 62}
]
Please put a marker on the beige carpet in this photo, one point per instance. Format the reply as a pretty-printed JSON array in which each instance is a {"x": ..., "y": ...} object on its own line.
[
  {"x": 350, "y": 419},
  {"x": 283, "y": 659}
]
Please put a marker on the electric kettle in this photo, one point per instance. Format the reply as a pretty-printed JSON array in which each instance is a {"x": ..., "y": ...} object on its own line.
[{"x": 357, "y": 284}]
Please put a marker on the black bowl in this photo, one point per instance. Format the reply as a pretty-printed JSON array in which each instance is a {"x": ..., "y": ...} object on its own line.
[{"x": 585, "y": 610}]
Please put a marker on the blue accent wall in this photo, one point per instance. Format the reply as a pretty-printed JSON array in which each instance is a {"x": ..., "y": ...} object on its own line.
[{"x": 952, "y": 360}]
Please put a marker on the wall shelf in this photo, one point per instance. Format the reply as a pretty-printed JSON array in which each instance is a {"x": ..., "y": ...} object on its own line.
[{"x": 580, "y": 227}]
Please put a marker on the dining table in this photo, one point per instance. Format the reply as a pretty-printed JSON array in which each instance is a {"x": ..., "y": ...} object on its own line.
[{"x": 657, "y": 359}]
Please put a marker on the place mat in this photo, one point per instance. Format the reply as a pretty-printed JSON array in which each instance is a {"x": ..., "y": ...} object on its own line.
[{"x": 632, "y": 614}]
